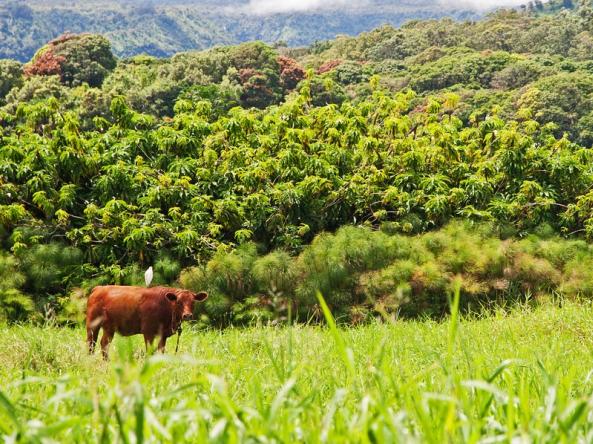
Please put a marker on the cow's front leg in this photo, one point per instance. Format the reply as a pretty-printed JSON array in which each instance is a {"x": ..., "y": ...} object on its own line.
[{"x": 148, "y": 340}]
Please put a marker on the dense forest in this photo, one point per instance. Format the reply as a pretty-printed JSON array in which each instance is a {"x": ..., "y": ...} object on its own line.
[
  {"x": 264, "y": 174},
  {"x": 165, "y": 28}
]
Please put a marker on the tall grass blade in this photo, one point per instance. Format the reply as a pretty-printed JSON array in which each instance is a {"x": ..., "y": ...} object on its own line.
[
  {"x": 10, "y": 410},
  {"x": 454, "y": 321},
  {"x": 345, "y": 352}
]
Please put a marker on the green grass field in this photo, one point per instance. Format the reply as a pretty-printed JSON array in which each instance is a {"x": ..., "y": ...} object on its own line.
[{"x": 525, "y": 373}]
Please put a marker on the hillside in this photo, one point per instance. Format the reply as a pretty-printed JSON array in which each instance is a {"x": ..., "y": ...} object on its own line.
[
  {"x": 166, "y": 28},
  {"x": 228, "y": 167}
]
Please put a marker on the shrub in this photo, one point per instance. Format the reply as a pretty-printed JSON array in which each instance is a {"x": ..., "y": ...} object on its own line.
[
  {"x": 471, "y": 286},
  {"x": 133, "y": 275},
  {"x": 362, "y": 273},
  {"x": 517, "y": 75},
  {"x": 14, "y": 305},
  {"x": 331, "y": 263},
  {"x": 195, "y": 279},
  {"x": 326, "y": 92},
  {"x": 35, "y": 89},
  {"x": 166, "y": 270},
  {"x": 533, "y": 273},
  {"x": 349, "y": 73},
  {"x": 221, "y": 98},
  {"x": 10, "y": 276},
  {"x": 218, "y": 308},
  {"x": 429, "y": 277},
  {"x": 275, "y": 273},
  {"x": 72, "y": 307},
  {"x": 11, "y": 76},
  {"x": 577, "y": 279},
  {"x": 230, "y": 273},
  {"x": 49, "y": 267},
  {"x": 388, "y": 282}
]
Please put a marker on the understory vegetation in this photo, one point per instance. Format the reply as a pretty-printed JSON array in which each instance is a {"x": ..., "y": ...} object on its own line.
[
  {"x": 522, "y": 375},
  {"x": 365, "y": 274}
]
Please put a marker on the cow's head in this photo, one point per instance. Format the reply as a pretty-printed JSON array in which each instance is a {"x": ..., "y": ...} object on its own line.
[{"x": 184, "y": 302}]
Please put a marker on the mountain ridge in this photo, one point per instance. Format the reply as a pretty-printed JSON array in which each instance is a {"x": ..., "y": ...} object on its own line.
[{"x": 165, "y": 29}]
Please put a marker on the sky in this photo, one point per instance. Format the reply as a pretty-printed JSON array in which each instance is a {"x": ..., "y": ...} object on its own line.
[{"x": 279, "y": 6}]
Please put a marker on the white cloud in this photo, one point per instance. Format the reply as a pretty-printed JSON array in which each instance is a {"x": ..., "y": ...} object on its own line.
[
  {"x": 481, "y": 4},
  {"x": 282, "y": 6}
]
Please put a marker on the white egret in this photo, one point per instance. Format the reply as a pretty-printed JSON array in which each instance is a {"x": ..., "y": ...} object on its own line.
[{"x": 148, "y": 276}]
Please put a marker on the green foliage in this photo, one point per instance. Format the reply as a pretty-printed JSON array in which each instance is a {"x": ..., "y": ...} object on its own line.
[
  {"x": 35, "y": 89},
  {"x": 194, "y": 159},
  {"x": 166, "y": 270},
  {"x": 460, "y": 67},
  {"x": 218, "y": 99},
  {"x": 218, "y": 305},
  {"x": 136, "y": 190},
  {"x": 77, "y": 59},
  {"x": 350, "y": 72},
  {"x": 274, "y": 273},
  {"x": 563, "y": 99},
  {"x": 14, "y": 305},
  {"x": 517, "y": 75},
  {"x": 11, "y": 76},
  {"x": 325, "y": 92},
  {"x": 494, "y": 64},
  {"x": 72, "y": 307},
  {"x": 230, "y": 273},
  {"x": 48, "y": 268},
  {"x": 366, "y": 273},
  {"x": 331, "y": 264},
  {"x": 88, "y": 59}
]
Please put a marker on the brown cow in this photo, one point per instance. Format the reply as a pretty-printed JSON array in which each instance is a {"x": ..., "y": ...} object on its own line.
[{"x": 153, "y": 312}]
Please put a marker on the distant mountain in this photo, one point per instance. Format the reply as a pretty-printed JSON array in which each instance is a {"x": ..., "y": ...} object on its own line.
[{"x": 165, "y": 27}]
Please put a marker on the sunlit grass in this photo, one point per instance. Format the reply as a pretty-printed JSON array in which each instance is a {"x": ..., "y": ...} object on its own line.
[{"x": 523, "y": 373}]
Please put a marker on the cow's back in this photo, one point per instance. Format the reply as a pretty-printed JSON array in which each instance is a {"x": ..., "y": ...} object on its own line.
[{"x": 129, "y": 310}]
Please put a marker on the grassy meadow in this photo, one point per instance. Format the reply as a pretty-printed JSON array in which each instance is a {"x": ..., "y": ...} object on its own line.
[{"x": 516, "y": 375}]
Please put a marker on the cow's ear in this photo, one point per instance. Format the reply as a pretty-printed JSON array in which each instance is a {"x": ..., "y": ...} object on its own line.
[
  {"x": 201, "y": 296},
  {"x": 171, "y": 296}
]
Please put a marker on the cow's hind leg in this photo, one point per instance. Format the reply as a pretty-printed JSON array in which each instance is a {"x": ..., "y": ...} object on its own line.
[
  {"x": 92, "y": 335},
  {"x": 94, "y": 322},
  {"x": 105, "y": 341}
]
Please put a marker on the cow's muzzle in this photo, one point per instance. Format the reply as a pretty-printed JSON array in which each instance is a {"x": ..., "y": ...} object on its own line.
[{"x": 187, "y": 316}]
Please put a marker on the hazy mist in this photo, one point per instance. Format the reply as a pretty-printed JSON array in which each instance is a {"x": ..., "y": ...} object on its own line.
[{"x": 284, "y": 6}]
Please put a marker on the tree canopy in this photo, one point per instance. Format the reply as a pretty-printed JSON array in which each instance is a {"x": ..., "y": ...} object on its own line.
[{"x": 108, "y": 165}]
